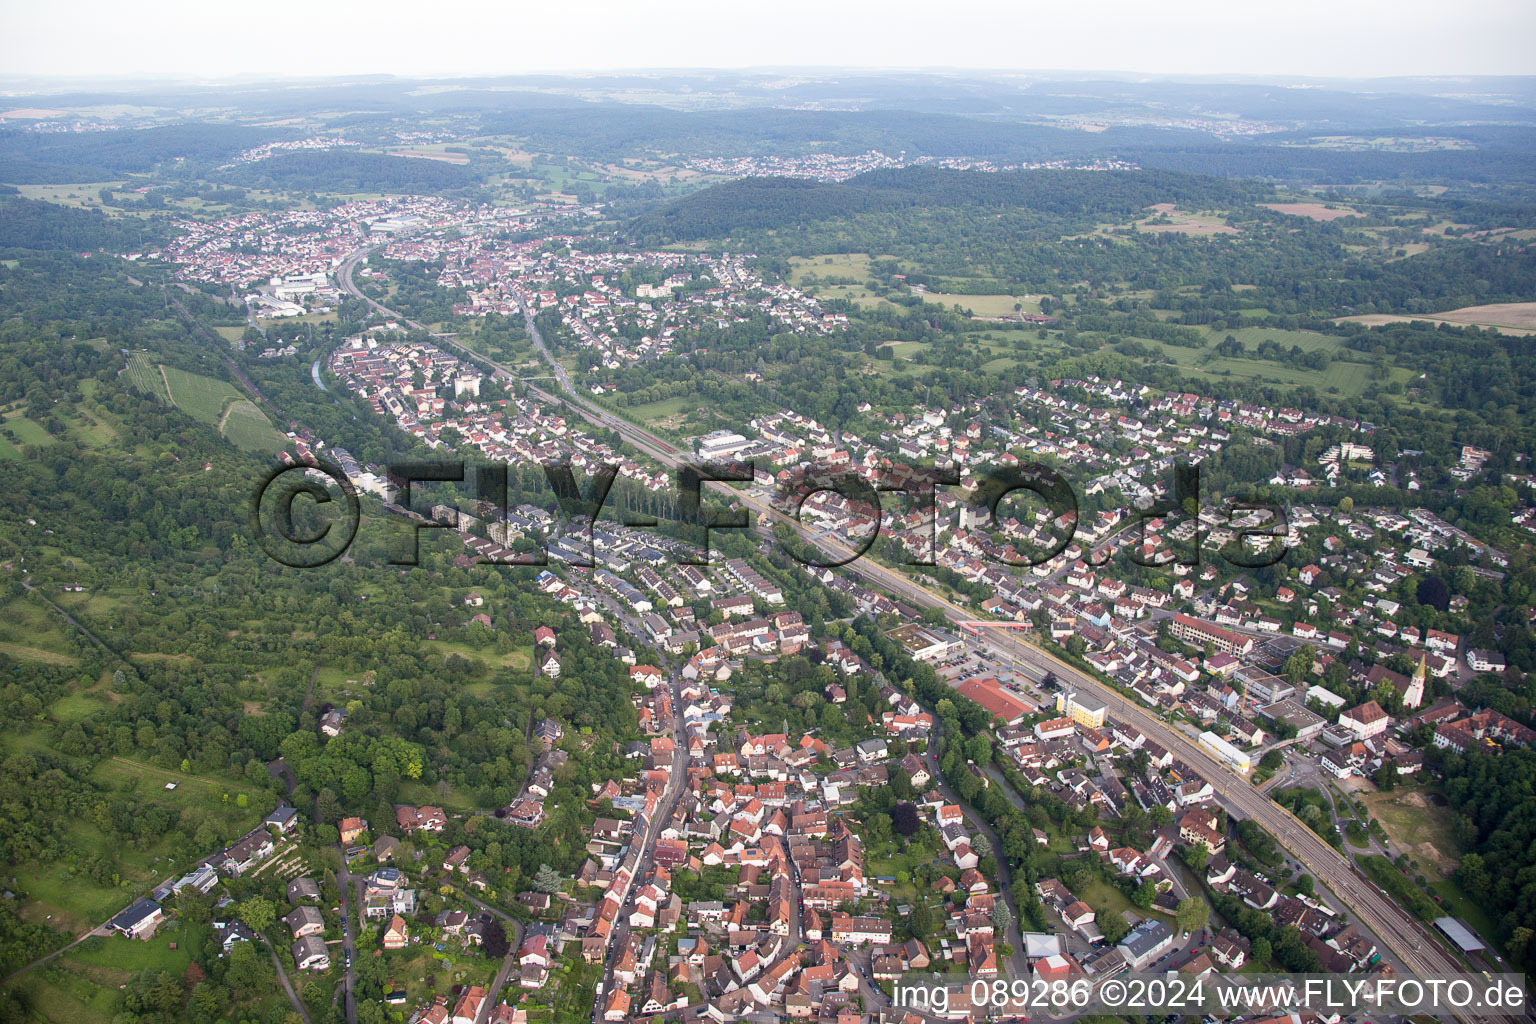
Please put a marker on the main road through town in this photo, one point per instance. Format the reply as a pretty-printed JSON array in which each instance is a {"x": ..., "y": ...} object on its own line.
[{"x": 1412, "y": 945}]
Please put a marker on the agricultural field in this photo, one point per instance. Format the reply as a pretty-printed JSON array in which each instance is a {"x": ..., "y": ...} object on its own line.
[
  {"x": 249, "y": 428},
  {"x": 143, "y": 375},
  {"x": 1168, "y": 217},
  {"x": 1518, "y": 318},
  {"x": 987, "y": 305},
  {"x": 202, "y": 398},
  {"x": 208, "y": 400},
  {"x": 438, "y": 152},
  {"x": 1314, "y": 211},
  {"x": 18, "y": 432}
]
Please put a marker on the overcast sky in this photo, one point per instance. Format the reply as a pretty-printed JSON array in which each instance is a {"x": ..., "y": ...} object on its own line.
[{"x": 219, "y": 39}]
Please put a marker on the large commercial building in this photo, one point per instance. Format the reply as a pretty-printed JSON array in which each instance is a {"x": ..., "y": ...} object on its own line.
[
  {"x": 1226, "y": 752},
  {"x": 1198, "y": 632},
  {"x": 925, "y": 644},
  {"x": 990, "y": 694},
  {"x": 1262, "y": 687},
  {"x": 720, "y": 444},
  {"x": 1297, "y": 715}
]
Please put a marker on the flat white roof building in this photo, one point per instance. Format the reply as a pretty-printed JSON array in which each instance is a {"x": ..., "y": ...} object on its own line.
[{"x": 1238, "y": 759}]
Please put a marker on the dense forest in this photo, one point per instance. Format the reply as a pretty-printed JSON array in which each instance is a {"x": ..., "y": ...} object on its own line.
[
  {"x": 347, "y": 171},
  {"x": 31, "y": 157},
  {"x": 1067, "y": 198},
  {"x": 28, "y": 224},
  {"x": 1496, "y": 827}
]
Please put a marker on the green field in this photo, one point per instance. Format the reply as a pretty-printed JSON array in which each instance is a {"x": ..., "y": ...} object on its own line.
[
  {"x": 516, "y": 661},
  {"x": 33, "y": 632},
  {"x": 906, "y": 349},
  {"x": 986, "y": 305},
  {"x": 667, "y": 408},
  {"x": 1251, "y": 337},
  {"x": 17, "y": 431},
  {"x": 122, "y": 953},
  {"x": 208, "y": 400},
  {"x": 65, "y": 993},
  {"x": 23, "y": 652},
  {"x": 202, "y": 398},
  {"x": 1349, "y": 378},
  {"x": 249, "y": 428}
]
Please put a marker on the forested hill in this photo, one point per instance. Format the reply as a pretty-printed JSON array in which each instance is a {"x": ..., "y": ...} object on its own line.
[
  {"x": 31, "y": 157},
  {"x": 773, "y": 203},
  {"x": 344, "y": 171},
  {"x": 30, "y": 224}
]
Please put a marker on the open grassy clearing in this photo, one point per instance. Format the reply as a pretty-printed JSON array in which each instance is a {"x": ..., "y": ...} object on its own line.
[
  {"x": 1168, "y": 217},
  {"x": 1417, "y": 825},
  {"x": 1349, "y": 378},
  {"x": 1313, "y": 211},
  {"x": 122, "y": 953},
  {"x": 63, "y": 895},
  {"x": 20, "y": 431},
  {"x": 72, "y": 707},
  {"x": 987, "y": 305},
  {"x": 94, "y": 428},
  {"x": 905, "y": 349},
  {"x": 82, "y": 195},
  {"x": 654, "y": 413},
  {"x": 517, "y": 661},
  {"x": 62, "y": 995},
  {"x": 22, "y": 652},
  {"x": 307, "y": 318},
  {"x": 843, "y": 264},
  {"x": 440, "y": 795},
  {"x": 34, "y": 633}
]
